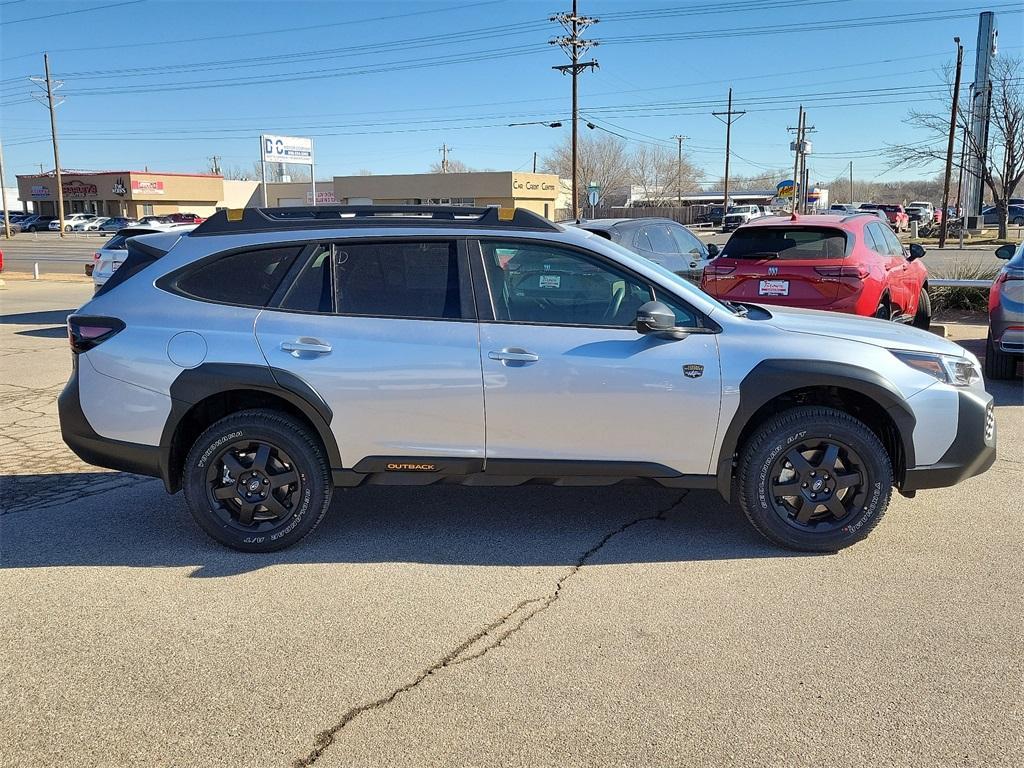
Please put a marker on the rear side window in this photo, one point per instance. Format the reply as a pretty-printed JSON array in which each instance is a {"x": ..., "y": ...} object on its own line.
[
  {"x": 398, "y": 279},
  {"x": 114, "y": 243},
  {"x": 245, "y": 278},
  {"x": 786, "y": 243},
  {"x": 313, "y": 289}
]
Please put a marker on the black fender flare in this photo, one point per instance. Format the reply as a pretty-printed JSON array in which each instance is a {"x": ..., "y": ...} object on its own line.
[
  {"x": 194, "y": 385},
  {"x": 771, "y": 378}
]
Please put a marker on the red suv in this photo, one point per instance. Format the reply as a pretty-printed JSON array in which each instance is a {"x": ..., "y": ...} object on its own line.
[{"x": 852, "y": 263}]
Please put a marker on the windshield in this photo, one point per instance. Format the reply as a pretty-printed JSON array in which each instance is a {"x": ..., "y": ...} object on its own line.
[
  {"x": 741, "y": 209},
  {"x": 786, "y": 243}
]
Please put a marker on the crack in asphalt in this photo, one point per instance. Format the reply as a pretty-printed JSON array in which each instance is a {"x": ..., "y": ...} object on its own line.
[{"x": 326, "y": 738}]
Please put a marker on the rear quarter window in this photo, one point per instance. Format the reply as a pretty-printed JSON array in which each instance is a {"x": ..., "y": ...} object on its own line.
[{"x": 245, "y": 278}]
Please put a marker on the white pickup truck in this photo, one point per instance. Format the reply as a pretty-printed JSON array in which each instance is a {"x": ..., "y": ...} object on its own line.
[{"x": 741, "y": 214}]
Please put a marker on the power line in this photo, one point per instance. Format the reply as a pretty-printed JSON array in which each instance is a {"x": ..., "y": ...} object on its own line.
[
  {"x": 271, "y": 31},
  {"x": 10, "y": 22}
]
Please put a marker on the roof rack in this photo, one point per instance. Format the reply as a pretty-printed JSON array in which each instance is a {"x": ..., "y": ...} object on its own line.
[{"x": 245, "y": 220}]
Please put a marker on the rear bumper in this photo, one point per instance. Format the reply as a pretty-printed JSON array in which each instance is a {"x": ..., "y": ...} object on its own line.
[
  {"x": 95, "y": 449},
  {"x": 973, "y": 450}
]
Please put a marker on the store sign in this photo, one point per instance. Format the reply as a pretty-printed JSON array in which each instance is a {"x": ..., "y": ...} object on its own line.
[
  {"x": 322, "y": 198},
  {"x": 77, "y": 188},
  {"x": 140, "y": 187},
  {"x": 287, "y": 149},
  {"x": 119, "y": 188},
  {"x": 40, "y": 190}
]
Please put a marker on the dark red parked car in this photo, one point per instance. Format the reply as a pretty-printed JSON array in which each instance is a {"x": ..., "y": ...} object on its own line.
[
  {"x": 842, "y": 263},
  {"x": 185, "y": 218}
]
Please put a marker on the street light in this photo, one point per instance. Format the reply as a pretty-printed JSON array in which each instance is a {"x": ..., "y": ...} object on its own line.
[{"x": 537, "y": 122}]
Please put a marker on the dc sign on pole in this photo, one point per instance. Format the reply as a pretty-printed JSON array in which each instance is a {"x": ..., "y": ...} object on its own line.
[{"x": 286, "y": 149}]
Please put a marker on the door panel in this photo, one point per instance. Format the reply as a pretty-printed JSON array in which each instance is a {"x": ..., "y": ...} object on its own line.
[
  {"x": 567, "y": 377},
  {"x": 600, "y": 394},
  {"x": 386, "y": 332},
  {"x": 396, "y": 387}
]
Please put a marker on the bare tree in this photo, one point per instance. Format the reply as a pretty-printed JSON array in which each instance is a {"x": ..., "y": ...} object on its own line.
[
  {"x": 602, "y": 159},
  {"x": 1002, "y": 166},
  {"x": 237, "y": 173},
  {"x": 454, "y": 166},
  {"x": 659, "y": 174}
]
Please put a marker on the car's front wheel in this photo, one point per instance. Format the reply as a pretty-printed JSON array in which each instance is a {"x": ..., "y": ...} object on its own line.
[
  {"x": 257, "y": 481},
  {"x": 814, "y": 479},
  {"x": 923, "y": 316}
]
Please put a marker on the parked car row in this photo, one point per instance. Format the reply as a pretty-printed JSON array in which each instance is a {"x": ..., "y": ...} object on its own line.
[{"x": 90, "y": 222}]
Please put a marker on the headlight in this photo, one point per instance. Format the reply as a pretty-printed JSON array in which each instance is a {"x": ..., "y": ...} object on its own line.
[{"x": 958, "y": 371}]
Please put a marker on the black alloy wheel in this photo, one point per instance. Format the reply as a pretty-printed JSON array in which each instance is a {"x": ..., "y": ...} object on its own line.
[
  {"x": 252, "y": 485},
  {"x": 818, "y": 484}
]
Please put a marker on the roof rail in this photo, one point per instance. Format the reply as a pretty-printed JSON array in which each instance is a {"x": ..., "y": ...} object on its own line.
[{"x": 245, "y": 220}]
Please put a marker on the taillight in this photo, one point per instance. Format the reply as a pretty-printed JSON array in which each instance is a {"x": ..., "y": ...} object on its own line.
[
  {"x": 994, "y": 291},
  {"x": 859, "y": 272},
  {"x": 718, "y": 269},
  {"x": 96, "y": 256},
  {"x": 87, "y": 331}
]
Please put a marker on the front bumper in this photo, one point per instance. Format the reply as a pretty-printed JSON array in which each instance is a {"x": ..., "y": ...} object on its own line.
[
  {"x": 973, "y": 450},
  {"x": 95, "y": 449}
]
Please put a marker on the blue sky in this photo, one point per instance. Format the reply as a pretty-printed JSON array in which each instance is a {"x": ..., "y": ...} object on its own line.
[{"x": 381, "y": 85}]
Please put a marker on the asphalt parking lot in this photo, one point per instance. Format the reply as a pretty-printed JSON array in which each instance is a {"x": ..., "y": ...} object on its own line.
[{"x": 532, "y": 626}]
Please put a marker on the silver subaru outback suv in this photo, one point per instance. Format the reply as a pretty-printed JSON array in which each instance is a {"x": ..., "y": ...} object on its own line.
[{"x": 271, "y": 355}]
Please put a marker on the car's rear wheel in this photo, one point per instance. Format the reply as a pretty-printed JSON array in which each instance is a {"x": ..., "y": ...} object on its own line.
[
  {"x": 257, "y": 481},
  {"x": 923, "y": 316},
  {"x": 814, "y": 479},
  {"x": 998, "y": 364}
]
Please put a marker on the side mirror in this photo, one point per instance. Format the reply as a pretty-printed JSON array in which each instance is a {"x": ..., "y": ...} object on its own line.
[
  {"x": 713, "y": 251},
  {"x": 916, "y": 251},
  {"x": 1005, "y": 251},
  {"x": 658, "y": 319}
]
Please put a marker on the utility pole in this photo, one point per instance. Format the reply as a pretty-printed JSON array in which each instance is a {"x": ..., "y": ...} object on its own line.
[
  {"x": 215, "y": 161},
  {"x": 3, "y": 192},
  {"x": 679, "y": 170},
  {"x": 574, "y": 46},
  {"x": 444, "y": 150},
  {"x": 534, "y": 162},
  {"x": 949, "y": 146},
  {"x": 796, "y": 156},
  {"x": 729, "y": 120},
  {"x": 851, "y": 182},
  {"x": 50, "y": 88}
]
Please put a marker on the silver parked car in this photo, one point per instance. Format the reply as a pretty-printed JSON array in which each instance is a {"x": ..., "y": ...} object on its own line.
[
  {"x": 663, "y": 241},
  {"x": 270, "y": 355},
  {"x": 1005, "y": 346}
]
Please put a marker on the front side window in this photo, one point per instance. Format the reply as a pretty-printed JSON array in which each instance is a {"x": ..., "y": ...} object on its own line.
[
  {"x": 541, "y": 284},
  {"x": 398, "y": 279},
  {"x": 893, "y": 243},
  {"x": 686, "y": 242},
  {"x": 246, "y": 278}
]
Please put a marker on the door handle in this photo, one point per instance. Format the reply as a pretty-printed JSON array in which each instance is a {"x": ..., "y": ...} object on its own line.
[
  {"x": 513, "y": 355},
  {"x": 312, "y": 346}
]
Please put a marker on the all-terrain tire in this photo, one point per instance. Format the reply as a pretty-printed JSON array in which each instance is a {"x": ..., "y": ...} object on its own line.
[
  {"x": 998, "y": 364},
  {"x": 789, "y": 431},
  {"x": 234, "y": 441}
]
